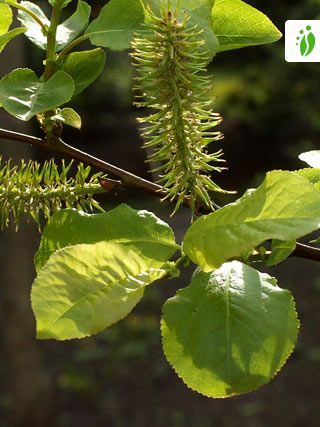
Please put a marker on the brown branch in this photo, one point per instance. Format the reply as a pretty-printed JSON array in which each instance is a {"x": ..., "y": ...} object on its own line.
[
  {"x": 306, "y": 252},
  {"x": 127, "y": 179}
]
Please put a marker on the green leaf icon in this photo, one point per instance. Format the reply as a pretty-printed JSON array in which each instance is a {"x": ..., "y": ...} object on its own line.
[{"x": 307, "y": 43}]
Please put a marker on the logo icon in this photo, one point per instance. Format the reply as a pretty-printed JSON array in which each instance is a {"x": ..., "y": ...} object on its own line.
[
  {"x": 306, "y": 40},
  {"x": 302, "y": 40}
]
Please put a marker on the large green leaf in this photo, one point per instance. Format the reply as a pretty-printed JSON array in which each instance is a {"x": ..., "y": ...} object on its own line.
[
  {"x": 73, "y": 26},
  {"x": 84, "y": 67},
  {"x": 141, "y": 230},
  {"x": 6, "y": 18},
  {"x": 236, "y": 24},
  {"x": 34, "y": 33},
  {"x": 312, "y": 174},
  {"x": 66, "y": 31},
  {"x": 229, "y": 331},
  {"x": 23, "y": 95},
  {"x": 5, "y": 38},
  {"x": 115, "y": 25},
  {"x": 85, "y": 288},
  {"x": 286, "y": 206}
]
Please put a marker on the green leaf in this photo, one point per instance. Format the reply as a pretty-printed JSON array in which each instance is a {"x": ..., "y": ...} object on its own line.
[
  {"x": 312, "y": 158},
  {"x": 312, "y": 175},
  {"x": 200, "y": 15},
  {"x": 280, "y": 251},
  {"x": 64, "y": 4},
  {"x": 140, "y": 230},
  {"x": 85, "y": 288},
  {"x": 115, "y": 25},
  {"x": 73, "y": 26},
  {"x": 66, "y": 31},
  {"x": 68, "y": 117},
  {"x": 84, "y": 67},
  {"x": 284, "y": 207},
  {"x": 34, "y": 33},
  {"x": 236, "y": 24},
  {"x": 230, "y": 331},
  {"x": 23, "y": 95},
  {"x": 6, "y": 18},
  {"x": 5, "y": 38}
]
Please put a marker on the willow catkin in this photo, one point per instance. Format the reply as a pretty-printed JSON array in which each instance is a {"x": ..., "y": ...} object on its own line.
[
  {"x": 33, "y": 189},
  {"x": 171, "y": 65}
]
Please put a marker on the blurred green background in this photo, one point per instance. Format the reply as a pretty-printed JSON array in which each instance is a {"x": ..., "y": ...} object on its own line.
[{"x": 120, "y": 378}]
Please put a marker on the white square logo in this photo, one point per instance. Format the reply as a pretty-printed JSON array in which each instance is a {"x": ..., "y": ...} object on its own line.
[{"x": 302, "y": 39}]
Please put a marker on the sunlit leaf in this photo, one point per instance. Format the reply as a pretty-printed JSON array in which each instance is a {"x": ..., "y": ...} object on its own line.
[
  {"x": 285, "y": 207},
  {"x": 141, "y": 230},
  {"x": 230, "y": 331},
  {"x": 237, "y": 24},
  {"x": 85, "y": 288},
  {"x": 23, "y": 95}
]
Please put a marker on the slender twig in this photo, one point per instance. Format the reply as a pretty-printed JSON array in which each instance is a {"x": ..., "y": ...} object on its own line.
[
  {"x": 30, "y": 13},
  {"x": 71, "y": 46},
  {"x": 127, "y": 179},
  {"x": 307, "y": 252}
]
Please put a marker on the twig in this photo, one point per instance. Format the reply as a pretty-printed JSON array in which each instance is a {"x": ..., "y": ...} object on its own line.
[
  {"x": 127, "y": 179},
  {"x": 306, "y": 252}
]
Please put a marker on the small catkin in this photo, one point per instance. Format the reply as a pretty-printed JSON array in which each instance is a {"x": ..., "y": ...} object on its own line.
[
  {"x": 33, "y": 189},
  {"x": 171, "y": 65}
]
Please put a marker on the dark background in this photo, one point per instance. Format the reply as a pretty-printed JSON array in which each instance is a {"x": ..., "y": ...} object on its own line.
[{"x": 120, "y": 377}]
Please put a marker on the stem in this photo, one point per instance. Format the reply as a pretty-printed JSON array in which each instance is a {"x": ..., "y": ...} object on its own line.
[
  {"x": 306, "y": 252},
  {"x": 51, "y": 41},
  {"x": 128, "y": 179},
  {"x": 67, "y": 49},
  {"x": 30, "y": 13}
]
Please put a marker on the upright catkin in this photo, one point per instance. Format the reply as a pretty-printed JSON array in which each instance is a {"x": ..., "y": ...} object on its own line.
[{"x": 171, "y": 80}]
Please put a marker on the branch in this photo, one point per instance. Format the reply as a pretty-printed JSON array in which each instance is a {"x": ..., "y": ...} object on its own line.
[
  {"x": 306, "y": 252},
  {"x": 127, "y": 179}
]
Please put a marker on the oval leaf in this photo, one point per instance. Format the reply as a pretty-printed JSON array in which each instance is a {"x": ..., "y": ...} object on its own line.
[
  {"x": 83, "y": 289},
  {"x": 23, "y": 95},
  {"x": 141, "y": 230},
  {"x": 229, "y": 331},
  {"x": 285, "y": 207},
  {"x": 115, "y": 25},
  {"x": 236, "y": 24},
  {"x": 84, "y": 67}
]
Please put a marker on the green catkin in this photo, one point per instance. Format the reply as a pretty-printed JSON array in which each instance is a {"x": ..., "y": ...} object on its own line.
[
  {"x": 171, "y": 65},
  {"x": 32, "y": 188}
]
